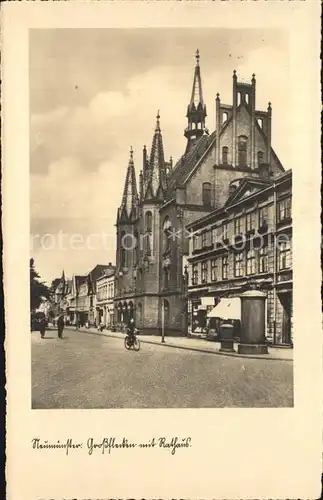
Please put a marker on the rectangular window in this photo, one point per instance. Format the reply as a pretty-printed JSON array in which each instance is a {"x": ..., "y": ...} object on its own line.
[
  {"x": 238, "y": 225},
  {"x": 195, "y": 241},
  {"x": 204, "y": 272},
  {"x": 225, "y": 268},
  {"x": 195, "y": 274},
  {"x": 214, "y": 270},
  {"x": 284, "y": 209},
  {"x": 263, "y": 259},
  {"x": 285, "y": 255},
  {"x": 225, "y": 231},
  {"x": 249, "y": 222},
  {"x": 263, "y": 216},
  {"x": 238, "y": 264},
  {"x": 204, "y": 239},
  {"x": 251, "y": 262}
]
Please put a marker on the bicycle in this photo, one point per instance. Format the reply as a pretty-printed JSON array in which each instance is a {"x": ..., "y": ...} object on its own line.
[{"x": 131, "y": 341}]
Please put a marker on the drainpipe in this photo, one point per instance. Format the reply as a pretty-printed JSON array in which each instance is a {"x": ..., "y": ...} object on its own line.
[{"x": 275, "y": 260}]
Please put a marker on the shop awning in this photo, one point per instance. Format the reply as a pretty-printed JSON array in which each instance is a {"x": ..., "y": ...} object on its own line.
[{"x": 227, "y": 309}]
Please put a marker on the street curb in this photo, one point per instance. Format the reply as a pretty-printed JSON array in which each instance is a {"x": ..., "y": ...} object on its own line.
[{"x": 188, "y": 348}]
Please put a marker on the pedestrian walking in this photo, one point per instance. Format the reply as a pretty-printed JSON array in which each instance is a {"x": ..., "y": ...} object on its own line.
[
  {"x": 60, "y": 327},
  {"x": 42, "y": 327}
]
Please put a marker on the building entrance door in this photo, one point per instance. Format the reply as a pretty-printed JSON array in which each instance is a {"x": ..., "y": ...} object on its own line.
[{"x": 286, "y": 302}]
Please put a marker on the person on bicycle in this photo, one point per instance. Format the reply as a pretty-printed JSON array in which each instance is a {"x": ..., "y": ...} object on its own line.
[{"x": 131, "y": 329}]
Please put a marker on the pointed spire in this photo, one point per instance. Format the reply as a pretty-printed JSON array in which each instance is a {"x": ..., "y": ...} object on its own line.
[
  {"x": 157, "y": 129},
  {"x": 156, "y": 182},
  {"x": 197, "y": 94},
  {"x": 196, "y": 110},
  {"x": 130, "y": 193}
]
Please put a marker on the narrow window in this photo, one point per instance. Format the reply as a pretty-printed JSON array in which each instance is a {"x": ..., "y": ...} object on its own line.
[
  {"x": 263, "y": 216},
  {"x": 195, "y": 274},
  {"x": 204, "y": 272},
  {"x": 225, "y": 151},
  {"x": 260, "y": 156},
  {"x": 166, "y": 234},
  {"x": 251, "y": 262},
  {"x": 225, "y": 268},
  {"x": 284, "y": 209},
  {"x": 148, "y": 221},
  {"x": 166, "y": 278},
  {"x": 214, "y": 270},
  {"x": 263, "y": 259},
  {"x": 238, "y": 264},
  {"x": 123, "y": 250},
  {"x": 249, "y": 222},
  {"x": 284, "y": 255},
  {"x": 206, "y": 193},
  {"x": 238, "y": 226},
  {"x": 242, "y": 151}
]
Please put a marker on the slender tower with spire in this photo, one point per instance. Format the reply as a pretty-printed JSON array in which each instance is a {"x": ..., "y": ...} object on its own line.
[
  {"x": 196, "y": 110},
  {"x": 130, "y": 198},
  {"x": 155, "y": 176}
]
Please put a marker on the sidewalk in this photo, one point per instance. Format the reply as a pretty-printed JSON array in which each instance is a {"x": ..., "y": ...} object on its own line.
[{"x": 194, "y": 344}]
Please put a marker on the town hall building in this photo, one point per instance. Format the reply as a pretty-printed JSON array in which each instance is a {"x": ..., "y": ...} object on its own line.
[{"x": 152, "y": 220}]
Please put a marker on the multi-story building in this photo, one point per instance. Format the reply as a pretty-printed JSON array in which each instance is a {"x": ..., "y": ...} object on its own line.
[
  {"x": 105, "y": 298},
  {"x": 79, "y": 296},
  {"x": 151, "y": 236},
  {"x": 247, "y": 241}
]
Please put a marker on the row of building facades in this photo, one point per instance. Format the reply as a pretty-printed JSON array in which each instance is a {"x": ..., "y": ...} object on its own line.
[{"x": 199, "y": 230}]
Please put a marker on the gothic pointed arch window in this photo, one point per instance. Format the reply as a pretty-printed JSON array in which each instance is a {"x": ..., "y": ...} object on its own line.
[
  {"x": 206, "y": 193},
  {"x": 167, "y": 226},
  {"x": 148, "y": 221},
  {"x": 242, "y": 150},
  {"x": 135, "y": 245},
  {"x": 148, "y": 233},
  {"x": 123, "y": 259}
]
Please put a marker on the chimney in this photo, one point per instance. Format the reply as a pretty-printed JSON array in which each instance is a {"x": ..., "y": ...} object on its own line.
[{"x": 264, "y": 171}]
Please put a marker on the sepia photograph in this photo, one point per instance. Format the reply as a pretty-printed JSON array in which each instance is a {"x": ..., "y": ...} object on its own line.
[
  {"x": 161, "y": 266},
  {"x": 162, "y": 237}
]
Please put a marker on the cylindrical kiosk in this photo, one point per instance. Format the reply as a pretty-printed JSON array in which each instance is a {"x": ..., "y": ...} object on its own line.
[
  {"x": 226, "y": 337},
  {"x": 253, "y": 323}
]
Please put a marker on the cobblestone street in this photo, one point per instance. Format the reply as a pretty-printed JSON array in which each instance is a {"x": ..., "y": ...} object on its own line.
[{"x": 95, "y": 371}]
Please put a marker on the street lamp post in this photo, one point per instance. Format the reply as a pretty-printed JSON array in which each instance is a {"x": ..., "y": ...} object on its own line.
[{"x": 163, "y": 322}]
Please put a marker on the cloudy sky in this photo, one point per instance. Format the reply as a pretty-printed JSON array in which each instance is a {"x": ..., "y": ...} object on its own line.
[{"x": 95, "y": 92}]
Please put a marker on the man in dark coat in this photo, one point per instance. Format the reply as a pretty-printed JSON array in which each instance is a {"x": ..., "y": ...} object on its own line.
[
  {"x": 42, "y": 327},
  {"x": 60, "y": 327}
]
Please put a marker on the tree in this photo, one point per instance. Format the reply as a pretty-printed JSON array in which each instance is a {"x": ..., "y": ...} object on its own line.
[{"x": 38, "y": 289}]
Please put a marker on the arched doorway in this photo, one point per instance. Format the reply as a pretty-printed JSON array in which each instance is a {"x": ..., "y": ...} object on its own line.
[
  {"x": 119, "y": 313},
  {"x": 125, "y": 313},
  {"x": 139, "y": 314},
  {"x": 131, "y": 310}
]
